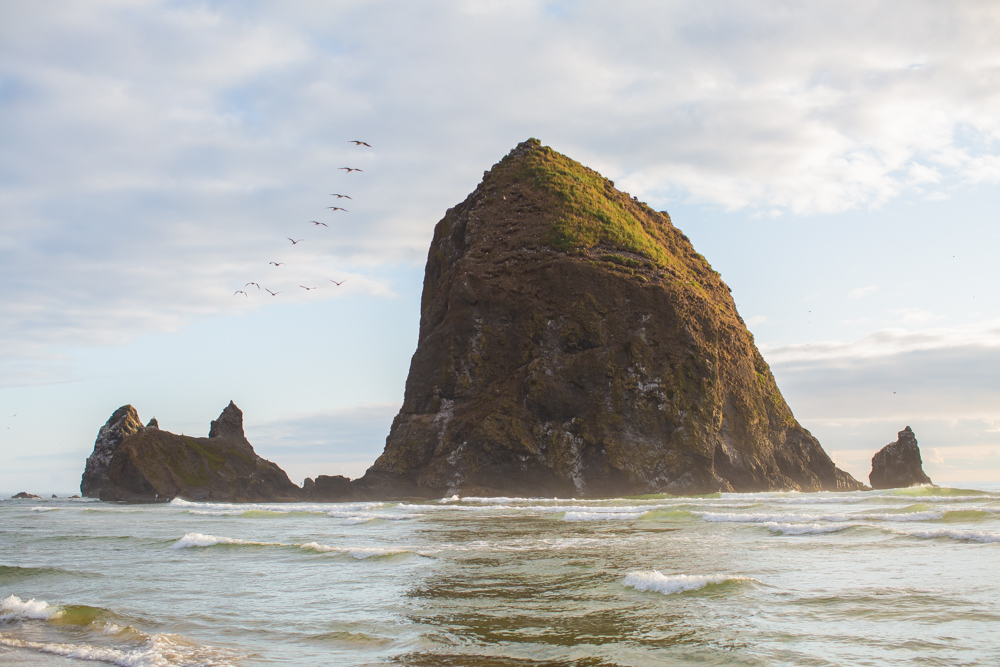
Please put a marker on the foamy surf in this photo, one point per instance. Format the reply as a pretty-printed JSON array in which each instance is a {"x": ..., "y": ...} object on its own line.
[
  {"x": 156, "y": 651},
  {"x": 195, "y": 540},
  {"x": 807, "y": 528},
  {"x": 602, "y": 516},
  {"x": 198, "y": 540},
  {"x": 12, "y": 608},
  {"x": 678, "y": 583},
  {"x": 981, "y": 536}
]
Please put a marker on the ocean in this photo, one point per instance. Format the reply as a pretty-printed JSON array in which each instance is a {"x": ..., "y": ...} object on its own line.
[{"x": 901, "y": 577}]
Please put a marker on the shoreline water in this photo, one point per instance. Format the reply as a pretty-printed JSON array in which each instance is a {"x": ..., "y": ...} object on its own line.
[{"x": 765, "y": 578}]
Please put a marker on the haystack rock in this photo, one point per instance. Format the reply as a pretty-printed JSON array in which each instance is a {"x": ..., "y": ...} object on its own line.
[
  {"x": 153, "y": 465},
  {"x": 573, "y": 343},
  {"x": 898, "y": 464},
  {"x": 122, "y": 423}
]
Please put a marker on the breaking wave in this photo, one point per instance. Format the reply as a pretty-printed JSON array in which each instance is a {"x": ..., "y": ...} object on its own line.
[
  {"x": 982, "y": 536},
  {"x": 678, "y": 583},
  {"x": 807, "y": 528},
  {"x": 193, "y": 540}
]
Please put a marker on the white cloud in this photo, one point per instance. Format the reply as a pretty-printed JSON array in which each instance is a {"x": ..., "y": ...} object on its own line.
[
  {"x": 756, "y": 319},
  {"x": 859, "y": 292}
]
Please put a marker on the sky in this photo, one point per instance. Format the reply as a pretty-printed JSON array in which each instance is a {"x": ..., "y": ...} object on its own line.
[{"x": 837, "y": 162}]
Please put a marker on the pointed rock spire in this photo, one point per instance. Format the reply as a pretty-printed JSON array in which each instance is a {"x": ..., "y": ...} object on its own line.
[{"x": 229, "y": 424}]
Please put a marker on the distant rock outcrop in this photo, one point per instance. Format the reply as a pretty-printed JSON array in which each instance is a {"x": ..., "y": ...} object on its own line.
[
  {"x": 573, "y": 343},
  {"x": 898, "y": 464},
  {"x": 24, "y": 495},
  {"x": 123, "y": 423},
  {"x": 152, "y": 465}
]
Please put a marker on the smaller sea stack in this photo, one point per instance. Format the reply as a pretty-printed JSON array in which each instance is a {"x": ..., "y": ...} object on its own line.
[{"x": 898, "y": 464}]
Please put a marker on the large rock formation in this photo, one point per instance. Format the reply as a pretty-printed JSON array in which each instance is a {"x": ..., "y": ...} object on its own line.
[
  {"x": 573, "y": 343},
  {"x": 152, "y": 465},
  {"x": 898, "y": 464},
  {"x": 123, "y": 423}
]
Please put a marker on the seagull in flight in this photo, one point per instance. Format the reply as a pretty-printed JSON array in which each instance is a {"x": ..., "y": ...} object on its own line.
[
  {"x": 306, "y": 288},
  {"x": 319, "y": 223},
  {"x": 271, "y": 293},
  {"x": 293, "y": 240},
  {"x": 334, "y": 194},
  {"x": 338, "y": 284},
  {"x": 350, "y": 169},
  {"x": 276, "y": 263},
  {"x": 248, "y": 285},
  {"x": 338, "y": 208},
  {"x": 359, "y": 143},
  {"x": 239, "y": 291}
]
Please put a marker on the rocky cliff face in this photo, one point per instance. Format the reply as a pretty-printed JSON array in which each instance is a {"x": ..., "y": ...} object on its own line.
[
  {"x": 573, "y": 343},
  {"x": 152, "y": 465},
  {"x": 898, "y": 464},
  {"x": 123, "y": 423}
]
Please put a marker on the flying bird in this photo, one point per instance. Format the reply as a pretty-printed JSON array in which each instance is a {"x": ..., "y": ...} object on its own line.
[
  {"x": 319, "y": 223},
  {"x": 334, "y": 194},
  {"x": 239, "y": 291},
  {"x": 338, "y": 208},
  {"x": 276, "y": 263},
  {"x": 350, "y": 169},
  {"x": 359, "y": 143},
  {"x": 338, "y": 284},
  {"x": 306, "y": 288},
  {"x": 248, "y": 285},
  {"x": 293, "y": 240},
  {"x": 271, "y": 293}
]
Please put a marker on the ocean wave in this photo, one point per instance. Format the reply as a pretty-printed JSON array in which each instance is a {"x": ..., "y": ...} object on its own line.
[
  {"x": 602, "y": 516},
  {"x": 355, "y": 552},
  {"x": 44, "y": 509},
  {"x": 12, "y": 608},
  {"x": 198, "y": 540},
  {"x": 981, "y": 536},
  {"x": 732, "y": 517},
  {"x": 157, "y": 651},
  {"x": 807, "y": 528},
  {"x": 678, "y": 583}
]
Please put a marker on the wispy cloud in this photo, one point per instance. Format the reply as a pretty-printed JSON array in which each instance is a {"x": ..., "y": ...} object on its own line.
[{"x": 859, "y": 292}]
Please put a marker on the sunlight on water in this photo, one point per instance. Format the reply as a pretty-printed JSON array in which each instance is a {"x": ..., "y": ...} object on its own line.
[{"x": 878, "y": 577}]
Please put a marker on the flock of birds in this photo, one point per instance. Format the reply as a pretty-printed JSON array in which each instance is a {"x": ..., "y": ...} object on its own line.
[{"x": 358, "y": 143}]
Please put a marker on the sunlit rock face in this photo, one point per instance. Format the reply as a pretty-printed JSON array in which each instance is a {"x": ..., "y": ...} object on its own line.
[
  {"x": 573, "y": 343},
  {"x": 122, "y": 423},
  {"x": 898, "y": 464}
]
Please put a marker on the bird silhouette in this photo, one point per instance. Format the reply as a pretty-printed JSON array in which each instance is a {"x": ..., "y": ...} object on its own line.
[
  {"x": 239, "y": 291},
  {"x": 306, "y": 288},
  {"x": 293, "y": 240},
  {"x": 338, "y": 208},
  {"x": 334, "y": 194},
  {"x": 350, "y": 169},
  {"x": 359, "y": 143},
  {"x": 276, "y": 263},
  {"x": 338, "y": 284},
  {"x": 271, "y": 293},
  {"x": 319, "y": 223},
  {"x": 248, "y": 284}
]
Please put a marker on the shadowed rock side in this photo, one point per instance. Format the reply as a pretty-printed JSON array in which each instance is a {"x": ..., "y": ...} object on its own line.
[
  {"x": 898, "y": 464},
  {"x": 573, "y": 343},
  {"x": 153, "y": 465},
  {"x": 123, "y": 423}
]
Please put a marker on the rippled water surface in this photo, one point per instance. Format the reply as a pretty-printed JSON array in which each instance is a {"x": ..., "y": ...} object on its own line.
[{"x": 910, "y": 576}]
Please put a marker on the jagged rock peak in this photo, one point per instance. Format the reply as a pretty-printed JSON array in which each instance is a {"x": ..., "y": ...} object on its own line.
[
  {"x": 124, "y": 422},
  {"x": 229, "y": 424},
  {"x": 573, "y": 342},
  {"x": 153, "y": 423},
  {"x": 898, "y": 464}
]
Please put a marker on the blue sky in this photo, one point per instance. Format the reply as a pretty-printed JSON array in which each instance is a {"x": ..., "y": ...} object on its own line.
[{"x": 838, "y": 163}]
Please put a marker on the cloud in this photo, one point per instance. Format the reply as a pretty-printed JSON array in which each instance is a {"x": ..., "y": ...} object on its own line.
[
  {"x": 155, "y": 157},
  {"x": 859, "y": 292}
]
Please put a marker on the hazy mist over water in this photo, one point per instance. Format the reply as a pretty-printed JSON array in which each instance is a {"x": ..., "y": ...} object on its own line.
[{"x": 907, "y": 576}]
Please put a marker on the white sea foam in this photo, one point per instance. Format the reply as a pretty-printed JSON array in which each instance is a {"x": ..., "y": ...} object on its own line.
[
  {"x": 157, "y": 651},
  {"x": 807, "y": 528},
  {"x": 678, "y": 583},
  {"x": 733, "y": 517},
  {"x": 960, "y": 535},
  {"x": 601, "y": 516},
  {"x": 44, "y": 509},
  {"x": 199, "y": 540},
  {"x": 355, "y": 552},
  {"x": 13, "y": 608}
]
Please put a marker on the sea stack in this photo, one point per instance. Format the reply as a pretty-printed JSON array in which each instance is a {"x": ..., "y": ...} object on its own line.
[
  {"x": 153, "y": 465},
  {"x": 573, "y": 343},
  {"x": 122, "y": 423},
  {"x": 898, "y": 464}
]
